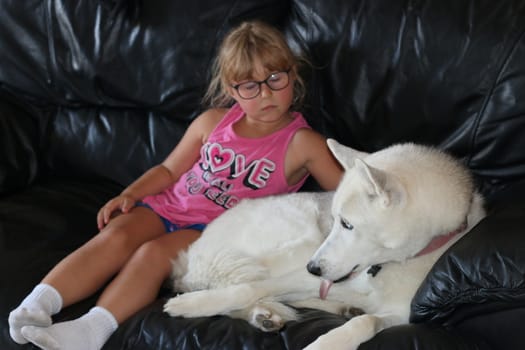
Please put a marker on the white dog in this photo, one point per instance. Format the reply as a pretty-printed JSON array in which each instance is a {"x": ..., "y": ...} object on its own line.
[{"x": 399, "y": 208}]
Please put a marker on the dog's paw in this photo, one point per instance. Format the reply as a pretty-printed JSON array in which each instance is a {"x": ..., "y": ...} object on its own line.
[
  {"x": 271, "y": 316},
  {"x": 350, "y": 312},
  {"x": 173, "y": 306},
  {"x": 192, "y": 304},
  {"x": 266, "y": 320},
  {"x": 202, "y": 303}
]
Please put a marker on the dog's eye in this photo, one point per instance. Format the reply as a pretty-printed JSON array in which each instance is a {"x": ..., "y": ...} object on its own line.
[{"x": 346, "y": 224}]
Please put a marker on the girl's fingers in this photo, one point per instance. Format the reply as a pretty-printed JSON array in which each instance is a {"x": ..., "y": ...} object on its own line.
[
  {"x": 104, "y": 214},
  {"x": 100, "y": 219},
  {"x": 127, "y": 205}
]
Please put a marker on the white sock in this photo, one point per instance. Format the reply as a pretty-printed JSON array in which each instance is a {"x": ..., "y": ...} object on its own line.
[
  {"x": 35, "y": 310},
  {"x": 88, "y": 332}
]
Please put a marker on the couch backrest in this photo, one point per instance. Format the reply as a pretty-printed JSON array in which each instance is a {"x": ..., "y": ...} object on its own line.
[
  {"x": 113, "y": 84},
  {"x": 449, "y": 73}
]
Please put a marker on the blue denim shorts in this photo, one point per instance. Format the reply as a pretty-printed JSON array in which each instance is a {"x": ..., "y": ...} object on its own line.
[{"x": 170, "y": 226}]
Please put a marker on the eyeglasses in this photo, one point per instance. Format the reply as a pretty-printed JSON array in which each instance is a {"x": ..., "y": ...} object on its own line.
[{"x": 251, "y": 89}]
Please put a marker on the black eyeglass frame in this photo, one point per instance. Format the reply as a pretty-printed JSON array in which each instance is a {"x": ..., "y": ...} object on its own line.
[{"x": 260, "y": 82}]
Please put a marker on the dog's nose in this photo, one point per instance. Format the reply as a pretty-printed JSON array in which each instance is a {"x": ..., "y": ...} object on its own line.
[{"x": 314, "y": 269}]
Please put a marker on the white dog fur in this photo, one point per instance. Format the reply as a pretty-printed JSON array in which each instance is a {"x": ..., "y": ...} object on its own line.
[{"x": 389, "y": 207}]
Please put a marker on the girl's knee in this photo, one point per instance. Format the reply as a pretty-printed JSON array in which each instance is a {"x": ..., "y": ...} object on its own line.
[
  {"x": 151, "y": 259},
  {"x": 117, "y": 238},
  {"x": 152, "y": 252},
  {"x": 130, "y": 231},
  {"x": 124, "y": 238}
]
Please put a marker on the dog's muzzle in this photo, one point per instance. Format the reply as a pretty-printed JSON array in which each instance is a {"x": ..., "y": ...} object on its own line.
[
  {"x": 314, "y": 269},
  {"x": 327, "y": 284}
]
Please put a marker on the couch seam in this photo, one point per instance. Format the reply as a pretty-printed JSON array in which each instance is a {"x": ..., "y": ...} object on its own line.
[
  {"x": 507, "y": 54},
  {"x": 51, "y": 56}
]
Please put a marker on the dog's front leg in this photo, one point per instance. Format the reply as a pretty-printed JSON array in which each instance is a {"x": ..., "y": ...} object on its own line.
[
  {"x": 222, "y": 301},
  {"x": 213, "y": 301},
  {"x": 353, "y": 333}
]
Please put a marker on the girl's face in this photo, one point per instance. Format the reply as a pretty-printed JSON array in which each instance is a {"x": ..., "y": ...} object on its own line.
[{"x": 267, "y": 96}]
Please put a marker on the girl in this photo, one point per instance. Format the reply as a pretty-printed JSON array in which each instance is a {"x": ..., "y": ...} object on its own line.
[{"x": 258, "y": 147}]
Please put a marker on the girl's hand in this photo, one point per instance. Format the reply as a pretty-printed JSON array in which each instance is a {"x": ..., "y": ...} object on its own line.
[{"x": 123, "y": 202}]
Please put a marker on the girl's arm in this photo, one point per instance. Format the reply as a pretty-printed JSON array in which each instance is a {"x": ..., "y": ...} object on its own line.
[
  {"x": 161, "y": 176},
  {"x": 309, "y": 153}
]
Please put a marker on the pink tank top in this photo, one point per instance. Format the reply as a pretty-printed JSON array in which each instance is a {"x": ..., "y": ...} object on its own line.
[{"x": 230, "y": 168}]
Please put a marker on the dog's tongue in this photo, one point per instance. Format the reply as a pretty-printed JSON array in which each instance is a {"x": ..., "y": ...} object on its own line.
[{"x": 324, "y": 288}]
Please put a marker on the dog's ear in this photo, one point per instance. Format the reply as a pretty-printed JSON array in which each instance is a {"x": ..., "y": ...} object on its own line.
[
  {"x": 344, "y": 155},
  {"x": 379, "y": 184}
]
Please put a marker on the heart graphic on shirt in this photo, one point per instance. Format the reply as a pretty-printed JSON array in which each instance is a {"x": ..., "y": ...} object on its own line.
[{"x": 219, "y": 158}]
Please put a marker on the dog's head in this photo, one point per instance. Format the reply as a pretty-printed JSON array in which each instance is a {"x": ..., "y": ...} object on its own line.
[{"x": 389, "y": 205}]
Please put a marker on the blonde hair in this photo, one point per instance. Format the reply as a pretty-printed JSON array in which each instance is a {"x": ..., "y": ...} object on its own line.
[{"x": 246, "y": 46}]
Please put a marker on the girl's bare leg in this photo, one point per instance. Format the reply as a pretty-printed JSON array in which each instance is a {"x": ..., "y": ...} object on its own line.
[
  {"x": 135, "y": 286},
  {"x": 138, "y": 284},
  {"x": 85, "y": 270}
]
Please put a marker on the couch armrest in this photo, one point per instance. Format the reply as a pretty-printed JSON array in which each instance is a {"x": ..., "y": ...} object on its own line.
[
  {"x": 486, "y": 266},
  {"x": 479, "y": 283},
  {"x": 18, "y": 146}
]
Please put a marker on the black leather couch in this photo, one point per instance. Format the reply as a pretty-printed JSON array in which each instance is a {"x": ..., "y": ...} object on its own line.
[{"x": 94, "y": 92}]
